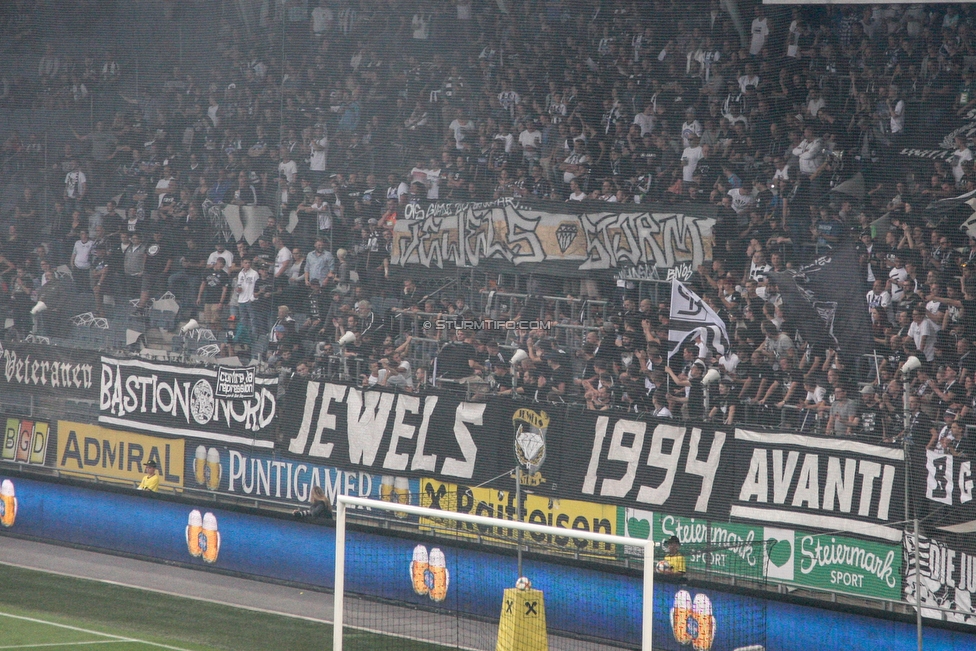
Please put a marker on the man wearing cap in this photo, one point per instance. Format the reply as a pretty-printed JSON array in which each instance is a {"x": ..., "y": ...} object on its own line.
[
  {"x": 941, "y": 437},
  {"x": 674, "y": 560},
  {"x": 151, "y": 481},
  {"x": 870, "y": 416}
]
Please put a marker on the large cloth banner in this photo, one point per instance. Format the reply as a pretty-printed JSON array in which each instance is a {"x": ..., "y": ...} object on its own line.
[
  {"x": 750, "y": 476},
  {"x": 184, "y": 401},
  {"x": 50, "y": 370},
  {"x": 948, "y": 580},
  {"x": 558, "y": 238}
]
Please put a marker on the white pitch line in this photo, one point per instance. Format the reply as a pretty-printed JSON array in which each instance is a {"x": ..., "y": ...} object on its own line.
[
  {"x": 115, "y": 638},
  {"x": 49, "y": 644}
]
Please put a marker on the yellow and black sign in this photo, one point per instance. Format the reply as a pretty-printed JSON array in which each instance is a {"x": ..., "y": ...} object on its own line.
[
  {"x": 493, "y": 503},
  {"x": 25, "y": 441},
  {"x": 120, "y": 456}
]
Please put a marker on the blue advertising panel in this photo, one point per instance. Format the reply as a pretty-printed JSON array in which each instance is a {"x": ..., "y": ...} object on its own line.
[{"x": 578, "y": 600}]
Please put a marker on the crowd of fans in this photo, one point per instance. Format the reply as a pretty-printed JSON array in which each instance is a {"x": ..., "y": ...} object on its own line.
[{"x": 344, "y": 113}]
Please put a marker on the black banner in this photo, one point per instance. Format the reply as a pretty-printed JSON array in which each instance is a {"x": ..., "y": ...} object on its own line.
[
  {"x": 722, "y": 473},
  {"x": 818, "y": 295},
  {"x": 40, "y": 368},
  {"x": 235, "y": 382},
  {"x": 182, "y": 401}
]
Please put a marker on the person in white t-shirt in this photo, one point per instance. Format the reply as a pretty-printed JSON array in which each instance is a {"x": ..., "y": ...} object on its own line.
[
  {"x": 896, "y": 111},
  {"x": 741, "y": 197},
  {"x": 530, "y": 139},
  {"x": 923, "y": 332},
  {"x": 645, "y": 120},
  {"x": 760, "y": 32},
  {"x": 244, "y": 288},
  {"x": 691, "y": 127},
  {"x": 575, "y": 192},
  {"x": 319, "y": 159},
  {"x": 81, "y": 252},
  {"x": 689, "y": 160},
  {"x": 287, "y": 167},
  {"x": 960, "y": 157},
  {"x": 461, "y": 128},
  {"x": 283, "y": 258},
  {"x": 220, "y": 251}
]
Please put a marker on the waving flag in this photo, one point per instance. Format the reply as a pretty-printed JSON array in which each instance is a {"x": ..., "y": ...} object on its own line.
[{"x": 691, "y": 317}]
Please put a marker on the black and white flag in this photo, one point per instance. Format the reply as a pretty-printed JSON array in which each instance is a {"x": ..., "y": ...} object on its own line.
[{"x": 691, "y": 317}]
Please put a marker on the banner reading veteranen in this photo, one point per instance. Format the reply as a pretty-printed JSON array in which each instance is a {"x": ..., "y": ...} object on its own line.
[
  {"x": 183, "y": 401},
  {"x": 548, "y": 237},
  {"x": 38, "y": 368}
]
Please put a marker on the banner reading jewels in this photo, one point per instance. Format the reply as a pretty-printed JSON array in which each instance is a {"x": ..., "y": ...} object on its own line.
[
  {"x": 547, "y": 237},
  {"x": 40, "y": 368},
  {"x": 183, "y": 401},
  {"x": 750, "y": 476}
]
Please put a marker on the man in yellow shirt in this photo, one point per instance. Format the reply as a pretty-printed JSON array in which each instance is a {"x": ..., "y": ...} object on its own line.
[
  {"x": 151, "y": 481},
  {"x": 674, "y": 560}
]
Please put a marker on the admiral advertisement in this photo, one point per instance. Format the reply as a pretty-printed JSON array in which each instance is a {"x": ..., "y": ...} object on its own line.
[
  {"x": 41, "y": 368},
  {"x": 184, "y": 401},
  {"x": 89, "y": 450},
  {"x": 748, "y": 476}
]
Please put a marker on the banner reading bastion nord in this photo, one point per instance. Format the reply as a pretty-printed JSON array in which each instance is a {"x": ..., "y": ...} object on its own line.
[{"x": 575, "y": 238}]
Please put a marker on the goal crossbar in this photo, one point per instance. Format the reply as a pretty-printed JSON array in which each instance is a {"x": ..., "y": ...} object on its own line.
[{"x": 343, "y": 501}]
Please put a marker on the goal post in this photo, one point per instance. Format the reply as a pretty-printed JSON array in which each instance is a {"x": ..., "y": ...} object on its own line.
[{"x": 345, "y": 502}]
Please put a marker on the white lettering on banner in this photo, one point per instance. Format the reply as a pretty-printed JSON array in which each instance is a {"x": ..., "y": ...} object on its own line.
[
  {"x": 697, "y": 533},
  {"x": 125, "y": 394},
  {"x": 815, "y": 554},
  {"x": 948, "y": 586},
  {"x": 621, "y": 486},
  {"x": 807, "y": 492},
  {"x": 519, "y": 234},
  {"x": 235, "y": 382},
  {"x": 292, "y": 480},
  {"x": 944, "y": 479},
  {"x": 33, "y": 372},
  {"x": 367, "y": 416}
]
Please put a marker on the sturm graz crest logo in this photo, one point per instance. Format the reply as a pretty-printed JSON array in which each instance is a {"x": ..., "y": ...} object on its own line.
[
  {"x": 565, "y": 235},
  {"x": 530, "y": 438}
]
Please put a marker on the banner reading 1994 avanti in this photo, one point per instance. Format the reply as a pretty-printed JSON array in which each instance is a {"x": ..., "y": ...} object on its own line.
[
  {"x": 187, "y": 401},
  {"x": 724, "y": 474}
]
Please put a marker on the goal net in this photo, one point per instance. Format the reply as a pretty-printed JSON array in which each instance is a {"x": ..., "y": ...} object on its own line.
[{"x": 430, "y": 579}]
